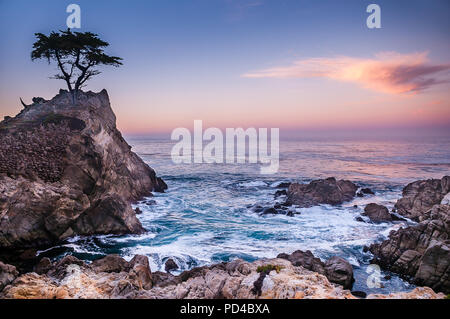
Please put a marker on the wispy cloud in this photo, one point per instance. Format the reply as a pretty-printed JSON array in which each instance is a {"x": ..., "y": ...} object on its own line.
[{"x": 388, "y": 72}]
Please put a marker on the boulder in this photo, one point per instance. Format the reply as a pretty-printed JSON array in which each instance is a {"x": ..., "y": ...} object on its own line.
[
  {"x": 324, "y": 191},
  {"x": 336, "y": 269},
  {"x": 379, "y": 213},
  {"x": 420, "y": 196},
  {"x": 170, "y": 265},
  {"x": 339, "y": 271},
  {"x": 7, "y": 275},
  {"x": 65, "y": 170}
]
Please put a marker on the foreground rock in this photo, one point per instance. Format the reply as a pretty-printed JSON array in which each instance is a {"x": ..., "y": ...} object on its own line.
[
  {"x": 66, "y": 170},
  {"x": 336, "y": 269},
  {"x": 379, "y": 213},
  {"x": 113, "y": 277},
  {"x": 323, "y": 191},
  {"x": 420, "y": 196},
  {"x": 7, "y": 274},
  {"x": 420, "y": 252}
]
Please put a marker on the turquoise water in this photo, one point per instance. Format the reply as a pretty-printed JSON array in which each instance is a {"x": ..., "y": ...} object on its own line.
[{"x": 204, "y": 217}]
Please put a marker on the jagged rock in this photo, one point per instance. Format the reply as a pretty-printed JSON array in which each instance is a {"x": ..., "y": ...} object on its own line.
[
  {"x": 65, "y": 170},
  {"x": 110, "y": 263},
  {"x": 323, "y": 191},
  {"x": 233, "y": 280},
  {"x": 170, "y": 265},
  {"x": 417, "y": 293},
  {"x": 43, "y": 266},
  {"x": 336, "y": 269},
  {"x": 339, "y": 271},
  {"x": 420, "y": 252},
  {"x": 420, "y": 196},
  {"x": 7, "y": 275},
  {"x": 379, "y": 213}
]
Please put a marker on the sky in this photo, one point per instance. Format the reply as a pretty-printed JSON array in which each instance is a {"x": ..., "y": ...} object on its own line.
[{"x": 301, "y": 66}]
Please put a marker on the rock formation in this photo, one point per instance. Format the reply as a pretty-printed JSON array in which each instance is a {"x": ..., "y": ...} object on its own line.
[
  {"x": 420, "y": 196},
  {"x": 323, "y": 191},
  {"x": 7, "y": 275},
  {"x": 66, "y": 170},
  {"x": 420, "y": 252},
  {"x": 379, "y": 213},
  {"x": 336, "y": 269},
  {"x": 113, "y": 277}
]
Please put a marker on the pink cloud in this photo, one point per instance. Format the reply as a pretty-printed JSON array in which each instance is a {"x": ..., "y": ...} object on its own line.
[{"x": 388, "y": 72}]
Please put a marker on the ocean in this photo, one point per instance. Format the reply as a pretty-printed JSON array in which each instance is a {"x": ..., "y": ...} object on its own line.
[{"x": 204, "y": 216}]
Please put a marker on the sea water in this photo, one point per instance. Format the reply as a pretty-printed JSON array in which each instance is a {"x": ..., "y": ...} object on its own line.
[{"x": 204, "y": 216}]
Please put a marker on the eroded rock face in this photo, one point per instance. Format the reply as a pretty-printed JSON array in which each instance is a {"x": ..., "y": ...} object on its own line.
[
  {"x": 336, "y": 269},
  {"x": 7, "y": 274},
  {"x": 420, "y": 196},
  {"x": 420, "y": 252},
  {"x": 66, "y": 170},
  {"x": 379, "y": 213},
  {"x": 323, "y": 191},
  {"x": 72, "y": 278}
]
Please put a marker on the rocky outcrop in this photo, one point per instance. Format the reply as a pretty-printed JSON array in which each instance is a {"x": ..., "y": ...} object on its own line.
[
  {"x": 420, "y": 252},
  {"x": 379, "y": 213},
  {"x": 323, "y": 191},
  {"x": 7, "y": 275},
  {"x": 170, "y": 264},
  {"x": 66, "y": 170},
  {"x": 336, "y": 269},
  {"x": 420, "y": 196},
  {"x": 275, "y": 278}
]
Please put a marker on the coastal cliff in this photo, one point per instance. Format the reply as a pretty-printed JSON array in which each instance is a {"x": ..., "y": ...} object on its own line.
[{"x": 65, "y": 170}]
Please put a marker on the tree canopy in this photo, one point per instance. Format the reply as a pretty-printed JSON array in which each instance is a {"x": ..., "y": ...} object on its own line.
[{"x": 77, "y": 55}]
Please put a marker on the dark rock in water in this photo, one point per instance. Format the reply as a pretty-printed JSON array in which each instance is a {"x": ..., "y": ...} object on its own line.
[
  {"x": 355, "y": 206},
  {"x": 43, "y": 266},
  {"x": 359, "y": 219},
  {"x": 388, "y": 277},
  {"x": 323, "y": 191},
  {"x": 359, "y": 294},
  {"x": 138, "y": 211},
  {"x": 170, "y": 265},
  {"x": 279, "y": 193},
  {"x": 336, "y": 269},
  {"x": 7, "y": 274},
  {"x": 365, "y": 249},
  {"x": 284, "y": 185},
  {"x": 160, "y": 186},
  {"x": 66, "y": 170},
  {"x": 377, "y": 213},
  {"x": 110, "y": 263},
  {"x": 277, "y": 209},
  {"x": 420, "y": 252},
  {"x": 367, "y": 191},
  {"x": 150, "y": 202},
  {"x": 420, "y": 196}
]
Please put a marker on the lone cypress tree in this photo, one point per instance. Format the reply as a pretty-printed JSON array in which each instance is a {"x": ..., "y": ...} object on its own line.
[{"x": 77, "y": 54}]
